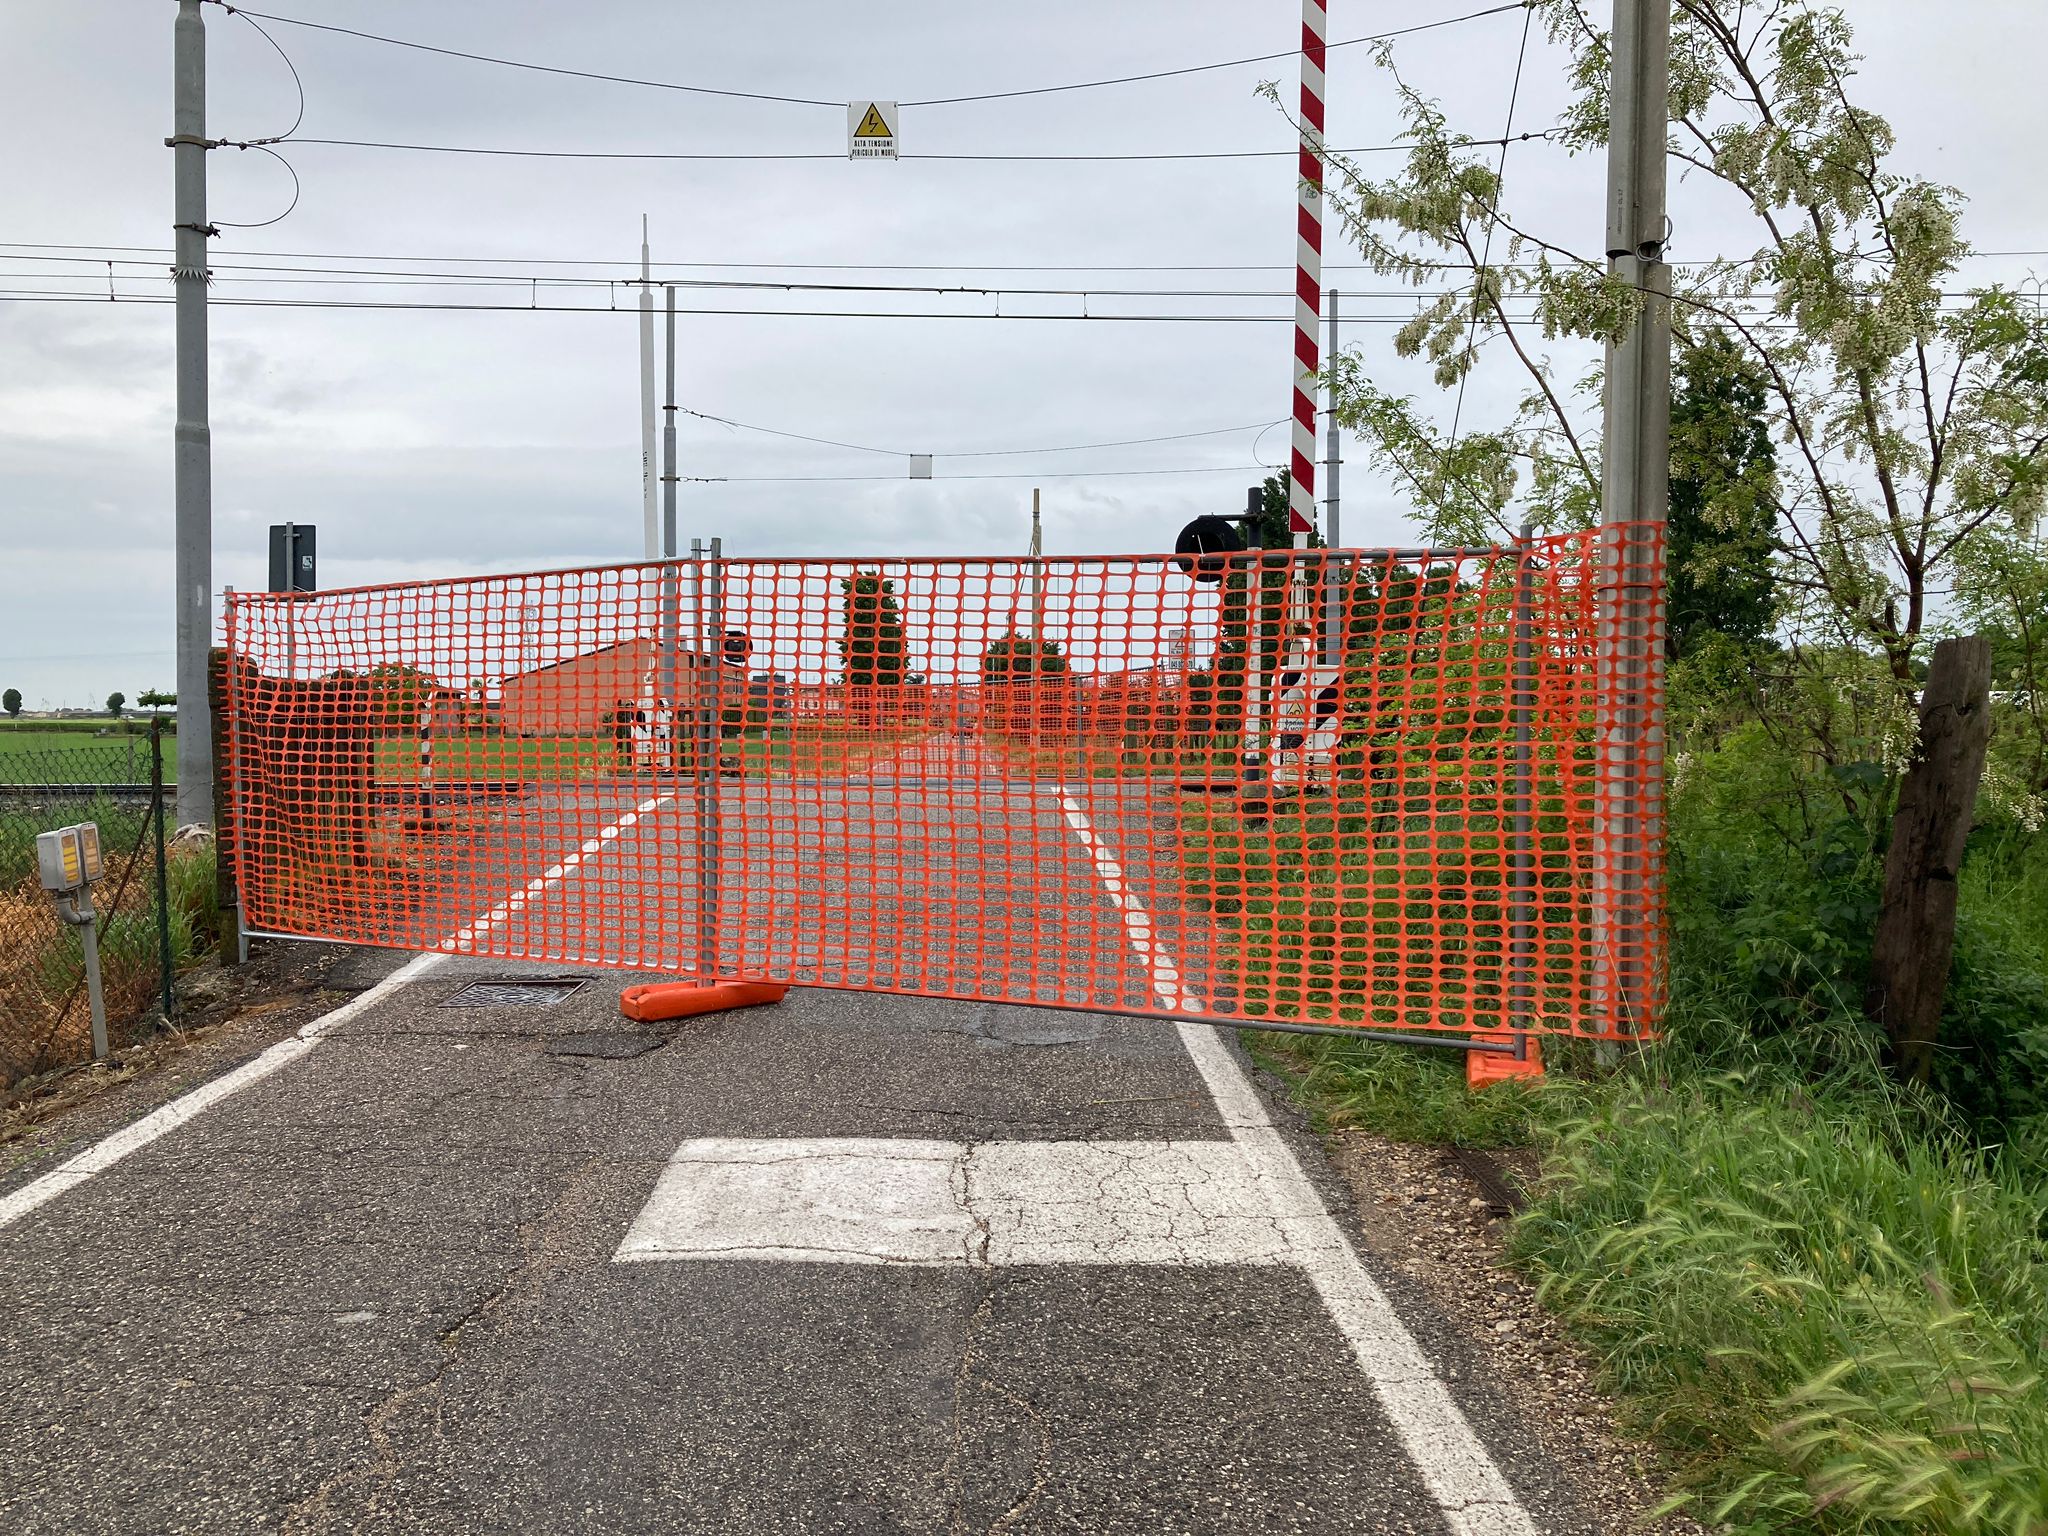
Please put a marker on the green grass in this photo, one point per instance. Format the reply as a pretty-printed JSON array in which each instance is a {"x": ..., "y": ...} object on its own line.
[
  {"x": 131, "y": 725},
  {"x": 79, "y": 758},
  {"x": 1403, "y": 1093},
  {"x": 1833, "y": 1313},
  {"x": 480, "y": 756}
]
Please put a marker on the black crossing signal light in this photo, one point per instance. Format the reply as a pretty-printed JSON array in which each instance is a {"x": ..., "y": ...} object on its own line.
[{"x": 1203, "y": 548}]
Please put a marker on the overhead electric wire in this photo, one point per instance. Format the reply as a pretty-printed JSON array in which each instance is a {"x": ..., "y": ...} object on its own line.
[
  {"x": 1486, "y": 249},
  {"x": 974, "y": 453},
  {"x": 812, "y": 101},
  {"x": 86, "y": 297},
  {"x": 1022, "y": 474},
  {"x": 300, "y": 276},
  {"x": 545, "y": 69},
  {"x": 754, "y": 155},
  {"x": 836, "y": 266},
  {"x": 1196, "y": 69}
]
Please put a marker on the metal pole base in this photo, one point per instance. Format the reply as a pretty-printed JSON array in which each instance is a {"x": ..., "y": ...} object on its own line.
[
  {"x": 1522, "y": 1058},
  {"x": 685, "y": 999}
]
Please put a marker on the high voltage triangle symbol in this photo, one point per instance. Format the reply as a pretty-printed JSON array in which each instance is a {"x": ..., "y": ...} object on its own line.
[{"x": 872, "y": 126}]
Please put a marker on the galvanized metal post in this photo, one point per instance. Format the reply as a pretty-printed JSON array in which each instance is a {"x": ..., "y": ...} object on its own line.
[
  {"x": 163, "y": 873},
  {"x": 710, "y": 830},
  {"x": 96, "y": 1000},
  {"x": 1522, "y": 931},
  {"x": 1335, "y": 569},
  {"x": 1635, "y": 501},
  {"x": 1035, "y": 672},
  {"x": 193, "y": 454},
  {"x": 1251, "y": 754}
]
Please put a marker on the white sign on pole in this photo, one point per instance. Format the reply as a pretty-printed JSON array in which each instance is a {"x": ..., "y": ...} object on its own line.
[
  {"x": 871, "y": 130},
  {"x": 920, "y": 466}
]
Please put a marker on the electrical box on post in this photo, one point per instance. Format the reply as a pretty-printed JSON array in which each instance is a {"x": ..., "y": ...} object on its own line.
[
  {"x": 68, "y": 859},
  {"x": 291, "y": 558}
]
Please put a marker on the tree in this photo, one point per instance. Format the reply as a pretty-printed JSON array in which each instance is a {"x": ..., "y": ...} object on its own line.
[
  {"x": 11, "y": 701},
  {"x": 1010, "y": 657},
  {"x": 397, "y": 691},
  {"x": 1721, "y": 545},
  {"x": 116, "y": 702},
  {"x": 872, "y": 649},
  {"x": 1914, "y": 412},
  {"x": 154, "y": 699},
  {"x": 1909, "y": 410}
]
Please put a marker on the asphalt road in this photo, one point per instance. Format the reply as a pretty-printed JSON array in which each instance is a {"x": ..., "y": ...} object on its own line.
[{"x": 853, "y": 1263}]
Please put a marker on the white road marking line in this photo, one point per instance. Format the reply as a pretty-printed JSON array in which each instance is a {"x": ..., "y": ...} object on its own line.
[
  {"x": 853, "y": 1200},
  {"x": 102, "y": 1155},
  {"x": 1456, "y": 1467},
  {"x": 462, "y": 939}
]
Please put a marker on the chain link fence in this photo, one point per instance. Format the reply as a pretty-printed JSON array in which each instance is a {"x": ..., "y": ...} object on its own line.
[{"x": 155, "y": 903}]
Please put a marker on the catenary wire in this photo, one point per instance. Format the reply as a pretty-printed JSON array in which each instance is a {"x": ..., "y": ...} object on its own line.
[
  {"x": 857, "y": 266},
  {"x": 975, "y": 453},
  {"x": 786, "y": 155},
  {"x": 1022, "y": 474},
  {"x": 80, "y": 297},
  {"x": 812, "y": 101},
  {"x": 1486, "y": 250}
]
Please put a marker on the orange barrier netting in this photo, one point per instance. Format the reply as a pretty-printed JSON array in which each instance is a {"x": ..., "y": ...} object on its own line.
[{"x": 1394, "y": 789}]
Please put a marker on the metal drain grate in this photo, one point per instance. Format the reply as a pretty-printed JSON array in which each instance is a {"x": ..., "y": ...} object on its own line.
[{"x": 516, "y": 992}]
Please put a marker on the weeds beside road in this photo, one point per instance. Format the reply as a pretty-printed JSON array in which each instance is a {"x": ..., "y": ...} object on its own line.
[{"x": 1824, "y": 1294}]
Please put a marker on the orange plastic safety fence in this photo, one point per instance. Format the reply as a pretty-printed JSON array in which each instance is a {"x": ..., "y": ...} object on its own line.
[{"x": 1404, "y": 790}]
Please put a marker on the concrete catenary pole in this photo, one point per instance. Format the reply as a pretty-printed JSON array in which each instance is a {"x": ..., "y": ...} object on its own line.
[
  {"x": 193, "y": 453},
  {"x": 668, "y": 704},
  {"x": 650, "y": 514},
  {"x": 1635, "y": 500}
]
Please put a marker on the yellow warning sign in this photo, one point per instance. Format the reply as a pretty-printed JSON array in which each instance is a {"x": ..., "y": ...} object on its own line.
[{"x": 871, "y": 130}]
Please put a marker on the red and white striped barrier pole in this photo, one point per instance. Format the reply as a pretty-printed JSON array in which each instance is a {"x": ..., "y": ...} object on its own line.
[
  {"x": 426, "y": 729},
  {"x": 1308, "y": 274}
]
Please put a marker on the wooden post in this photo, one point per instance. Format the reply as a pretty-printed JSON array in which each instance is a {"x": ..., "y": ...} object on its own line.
[{"x": 1916, "y": 926}]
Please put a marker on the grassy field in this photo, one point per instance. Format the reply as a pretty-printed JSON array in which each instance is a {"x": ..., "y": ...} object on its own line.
[
  {"x": 1069, "y": 760},
  {"x": 780, "y": 751},
  {"x": 137, "y": 725},
  {"x": 474, "y": 756},
  {"x": 77, "y": 757}
]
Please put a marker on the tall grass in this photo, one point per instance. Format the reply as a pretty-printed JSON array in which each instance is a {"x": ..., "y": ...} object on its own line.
[{"x": 1833, "y": 1314}]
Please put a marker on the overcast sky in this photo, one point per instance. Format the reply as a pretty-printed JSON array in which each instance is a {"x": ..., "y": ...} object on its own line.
[{"x": 427, "y": 443}]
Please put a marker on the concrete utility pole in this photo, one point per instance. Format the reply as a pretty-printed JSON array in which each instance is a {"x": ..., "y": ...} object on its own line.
[
  {"x": 650, "y": 516},
  {"x": 1635, "y": 490},
  {"x": 193, "y": 472}
]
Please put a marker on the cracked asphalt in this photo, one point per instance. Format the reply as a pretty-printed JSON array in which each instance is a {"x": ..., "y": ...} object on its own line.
[
  {"x": 381, "y": 1290},
  {"x": 377, "y": 1291}
]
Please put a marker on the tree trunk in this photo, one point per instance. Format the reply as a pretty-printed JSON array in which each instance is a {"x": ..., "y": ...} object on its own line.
[{"x": 1916, "y": 927}]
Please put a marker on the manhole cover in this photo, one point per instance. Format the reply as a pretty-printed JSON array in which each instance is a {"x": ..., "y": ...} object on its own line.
[
  {"x": 521, "y": 992},
  {"x": 610, "y": 1045}
]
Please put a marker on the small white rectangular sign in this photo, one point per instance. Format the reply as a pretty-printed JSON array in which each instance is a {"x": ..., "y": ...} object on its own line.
[{"x": 871, "y": 130}]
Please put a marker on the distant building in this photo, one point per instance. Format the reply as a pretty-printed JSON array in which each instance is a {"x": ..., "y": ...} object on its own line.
[
  {"x": 585, "y": 695},
  {"x": 574, "y": 697}
]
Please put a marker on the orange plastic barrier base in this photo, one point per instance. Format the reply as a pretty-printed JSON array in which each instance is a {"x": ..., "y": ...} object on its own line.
[
  {"x": 683, "y": 999},
  {"x": 1483, "y": 1067}
]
